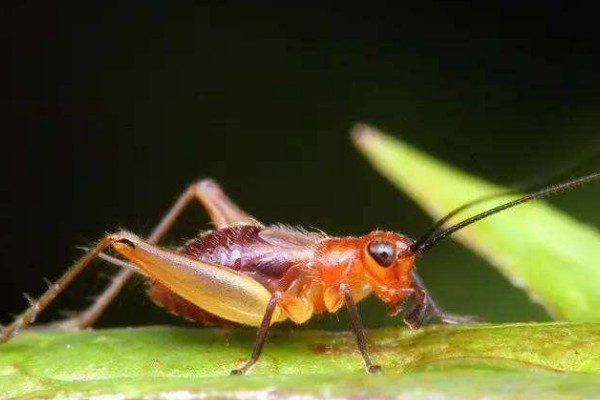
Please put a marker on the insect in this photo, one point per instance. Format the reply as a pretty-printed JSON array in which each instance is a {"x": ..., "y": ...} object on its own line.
[{"x": 247, "y": 273}]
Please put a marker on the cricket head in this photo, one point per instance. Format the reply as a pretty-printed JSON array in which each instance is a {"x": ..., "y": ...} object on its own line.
[{"x": 388, "y": 260}]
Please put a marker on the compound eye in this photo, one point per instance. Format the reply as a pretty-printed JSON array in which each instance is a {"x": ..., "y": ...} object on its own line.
[{"x": 384, "y": 253}]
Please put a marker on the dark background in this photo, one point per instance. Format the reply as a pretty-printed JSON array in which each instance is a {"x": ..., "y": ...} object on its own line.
[{"x": 115, "y": 109}]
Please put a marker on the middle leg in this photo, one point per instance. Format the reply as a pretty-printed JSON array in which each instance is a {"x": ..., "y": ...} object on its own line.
[{"x": 261, "y": 337}]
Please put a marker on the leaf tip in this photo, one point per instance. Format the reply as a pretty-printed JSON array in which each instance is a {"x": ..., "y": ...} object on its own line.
[{"x": 362, "y": 134}]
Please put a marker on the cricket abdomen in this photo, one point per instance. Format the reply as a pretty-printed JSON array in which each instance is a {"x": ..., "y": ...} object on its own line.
[{"x": 277, "y": 257}]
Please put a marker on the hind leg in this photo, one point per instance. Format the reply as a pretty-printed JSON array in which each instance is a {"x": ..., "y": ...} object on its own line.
[
  {"x": 54, "y": 289},
  {"x": 222, "y": 211}
]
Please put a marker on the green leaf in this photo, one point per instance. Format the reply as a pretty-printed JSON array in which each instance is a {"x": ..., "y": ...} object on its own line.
[
  {"x": 497, "y": 361},
  {"x": 555, "y": 258}
]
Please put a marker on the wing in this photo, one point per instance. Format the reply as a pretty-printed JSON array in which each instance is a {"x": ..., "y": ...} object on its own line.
[
  {"x": 221, "y": 291},
  {"x": 264, "y": 253},
  {"x": 286, "y": 253},
  {"x": 291, "y": 267},
  {"x": 295, "y": 239}
]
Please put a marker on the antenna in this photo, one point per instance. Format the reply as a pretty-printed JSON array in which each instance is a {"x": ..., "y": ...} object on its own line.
[
  {"x": 525, "y": 186},
  {"x": 430, "y": 240},
  {"x": 436, "y": 227}
]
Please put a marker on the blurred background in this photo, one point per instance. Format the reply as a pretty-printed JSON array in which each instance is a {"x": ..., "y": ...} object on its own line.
[{"x": 114, "y": 109}]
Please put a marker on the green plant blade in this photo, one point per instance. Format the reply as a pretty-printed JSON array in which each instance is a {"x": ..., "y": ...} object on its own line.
[
  {"x": 492, "y": 361},
  {"x": 555, "y": 258}
]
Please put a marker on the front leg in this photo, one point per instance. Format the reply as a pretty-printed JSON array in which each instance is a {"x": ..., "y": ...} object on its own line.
[
  {"x": 424, "y": 304},
  {"x": 358, "y": 329}
]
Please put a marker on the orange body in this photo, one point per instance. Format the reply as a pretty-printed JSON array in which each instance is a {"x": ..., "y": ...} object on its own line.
[{"x": 305, "y": 268}]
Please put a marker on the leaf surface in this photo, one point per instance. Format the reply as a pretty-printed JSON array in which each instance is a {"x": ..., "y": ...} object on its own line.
[{"x": 557, "y": 360}]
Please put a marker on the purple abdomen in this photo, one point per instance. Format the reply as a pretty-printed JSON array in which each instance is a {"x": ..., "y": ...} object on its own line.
[{"x": 247, "y": 249}]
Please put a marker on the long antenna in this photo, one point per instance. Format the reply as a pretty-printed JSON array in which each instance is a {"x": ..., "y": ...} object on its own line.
[
  {"x": 525, "y": 186},
  {"x": 421, "y": 246},
  {"x": 436, "y": 227}
]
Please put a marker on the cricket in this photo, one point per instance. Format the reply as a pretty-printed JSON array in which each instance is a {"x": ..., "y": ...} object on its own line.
[{"x": 246, "y": 273}]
